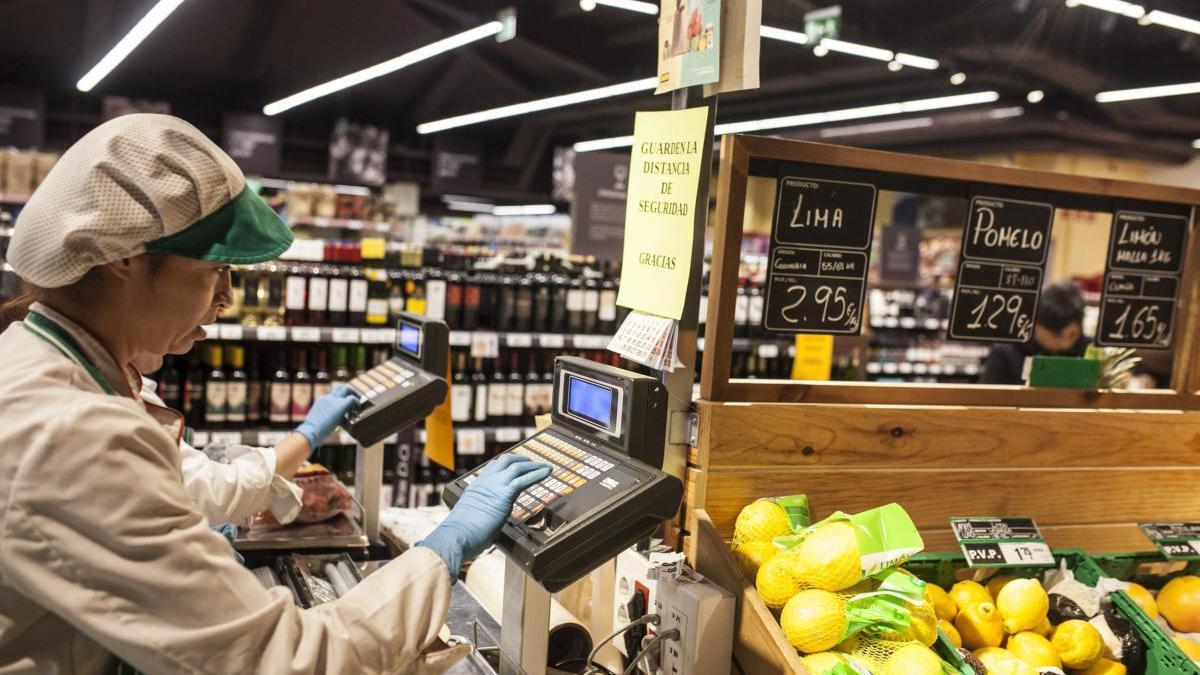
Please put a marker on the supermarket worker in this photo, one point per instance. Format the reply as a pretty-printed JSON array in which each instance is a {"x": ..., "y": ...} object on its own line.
[{"x": 102, "y": 554}]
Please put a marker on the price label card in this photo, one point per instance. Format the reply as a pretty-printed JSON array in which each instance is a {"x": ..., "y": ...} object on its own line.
[
  {"x": 1001, "y": 542},
  {"x": 1004, "y": 249},
  {"x": 508, "y": 434},
  {"x": 378, "y": 336},
  {"x": 1137, "y": 310},
  {"x": 592, "y": 341},
  {"x": 306, "y": 334},
  {"x": 227, "y": 437},
  {"x": 273, "y": 333},
  {"x": 551, "y": 341},
  {"x": 229, "y": 331},
  {"x": 460, "y": 338},
  {"x": 471, "y": 442},
  {"x": 268, "y": 439},
  {"x": 485, "y": 345},
  {"x": 521, "y": 340},
  {"x": 1177, "y": 541},
  {"x": 346, "y": 335},
  {"x": 199, "y": 439},
  {"x": 768, "y": 351},
  {"x": 820, "y": 254},
  {"x": 211, "y": 331}
]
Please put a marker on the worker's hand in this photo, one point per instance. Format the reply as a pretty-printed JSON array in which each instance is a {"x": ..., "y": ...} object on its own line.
[
  {"x": 326, "y": 413},
  {"x": 476, "y": 519}
]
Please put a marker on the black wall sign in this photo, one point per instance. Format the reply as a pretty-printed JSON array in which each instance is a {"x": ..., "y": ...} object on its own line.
[
  {"x": 598, "y": 212},
  {"x": 1005, "y": 243},
  {"x": 255, "y": 142},
  {"x": 457, "y": 165},
  {"x": 900, "y": 254},
  {"x": 22, "y": 117},
  {"x": 1141, "y": 283},
  {"x": 820, "y": 252}
]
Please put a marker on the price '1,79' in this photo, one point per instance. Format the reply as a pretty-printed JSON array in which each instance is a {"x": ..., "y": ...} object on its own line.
[{"x": 995, "y": 309}]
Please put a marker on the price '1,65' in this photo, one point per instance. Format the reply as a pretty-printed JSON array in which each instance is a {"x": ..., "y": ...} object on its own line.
[
  {"x": 990, "y": 308},
  {"x": 1145, "y": 324}
]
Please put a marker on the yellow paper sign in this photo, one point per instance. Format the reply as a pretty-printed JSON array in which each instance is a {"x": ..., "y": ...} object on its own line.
[
  {"x": 814, "y": 357},
  {"x": 439, "y": 431},
  {"x": 664, "y": 174}
]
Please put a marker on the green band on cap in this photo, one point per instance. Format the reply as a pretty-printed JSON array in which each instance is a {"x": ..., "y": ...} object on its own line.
[{"x": 242, "y": 232}]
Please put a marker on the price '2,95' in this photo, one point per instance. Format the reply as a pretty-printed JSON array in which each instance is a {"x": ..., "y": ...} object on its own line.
[{"x": 836, "y": 306}]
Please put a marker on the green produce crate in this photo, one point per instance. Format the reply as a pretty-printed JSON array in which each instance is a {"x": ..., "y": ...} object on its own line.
[
  {"x": 1149, "y": 568},
  {"x": 1162, "y": 656},
  {"x": 949, "y": 653}
]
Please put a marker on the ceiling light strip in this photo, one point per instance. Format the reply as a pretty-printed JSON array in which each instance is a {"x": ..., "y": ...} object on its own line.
[
  {"x": 808, "y": 119},
  {"x": 865, "y": 51},
  {"x": 783, "y": 35},
  {"x": 1148, "y": 92},
  {"x": 1175, "y": 21},
  {"x": 636, "y": 86},
  {"x": 144, "y": 27},
  {"x": 384, "y": 68},
  {"x": 915, "y": 61}
]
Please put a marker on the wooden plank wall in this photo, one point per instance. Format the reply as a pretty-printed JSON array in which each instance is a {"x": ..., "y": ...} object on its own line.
[{"x": 1088, "y": 476}]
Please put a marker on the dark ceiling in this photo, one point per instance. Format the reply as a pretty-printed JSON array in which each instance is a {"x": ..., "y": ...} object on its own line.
[{"x": 216, "y": 55}]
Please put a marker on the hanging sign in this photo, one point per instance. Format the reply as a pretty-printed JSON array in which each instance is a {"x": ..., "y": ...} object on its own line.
[
  {"x": 999, "y": 282},
  {"x": 820, "y": 252},
  {"x": 22, "y": 117},
  {"x": 1001, "y": 542},
  {"x": 1141, "y": 281},
  {"x": 255, "y": 142},
  {"x": 689, "y": 43},
  {"x": 601, "y": 187}
]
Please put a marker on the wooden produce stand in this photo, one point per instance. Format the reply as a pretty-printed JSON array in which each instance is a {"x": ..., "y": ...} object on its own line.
[{"x": 1088, "y": 465}]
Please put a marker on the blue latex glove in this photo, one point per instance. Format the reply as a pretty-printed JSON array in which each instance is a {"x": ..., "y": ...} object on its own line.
[
  {"x": 326, "y": 413},
  {"x": 229, "y": 531},
  {"x": 476, "y": 519}
]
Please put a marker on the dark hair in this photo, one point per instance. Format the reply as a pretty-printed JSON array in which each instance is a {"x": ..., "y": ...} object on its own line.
[
  {"x": 15, "y": 308},
  {"x": 1061, "y": 305}
]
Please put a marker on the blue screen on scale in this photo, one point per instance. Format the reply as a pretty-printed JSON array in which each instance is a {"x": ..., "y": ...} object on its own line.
[
  {"x": 410, "y": 339},
  {"x": 590, "y": 401}
]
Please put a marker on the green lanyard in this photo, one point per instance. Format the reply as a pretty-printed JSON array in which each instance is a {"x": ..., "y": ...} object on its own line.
[{"x": 43, "y": 327}]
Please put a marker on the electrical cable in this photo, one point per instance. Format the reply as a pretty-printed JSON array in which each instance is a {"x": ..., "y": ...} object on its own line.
[
  {"x": 648, "y": 649},
  {"x": 591, "y": 661}
]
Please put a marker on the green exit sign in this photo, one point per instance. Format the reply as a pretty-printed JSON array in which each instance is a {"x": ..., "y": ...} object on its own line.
[{"x": 823, "y": 23}]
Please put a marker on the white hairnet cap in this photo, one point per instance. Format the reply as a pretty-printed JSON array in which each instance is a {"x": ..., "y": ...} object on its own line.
[{"x": 137, "y": 184}]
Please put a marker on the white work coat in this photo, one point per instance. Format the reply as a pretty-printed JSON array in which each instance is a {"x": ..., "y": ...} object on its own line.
[
  {"x": 102, "y": 552},
  {"x": 232, "y": 492}
]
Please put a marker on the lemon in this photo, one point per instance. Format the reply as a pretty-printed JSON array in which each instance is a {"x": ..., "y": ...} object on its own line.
[
  {"x": 1044, "y": 628},
  {"x": 1034, "y": 650},
  {"x": 775, "y": 581},
  {"x": 951, "y": 633},
  {"x": 762, "y": 520},
  {"x": 828, "y": 559},
  {"x": 824, "y": 662},
  {"x": 1190, "y": 648},
  {"x": 996, "y": 583},
  {"x": 966, "y": 593},
  {"x": 1023, "y": 603},
  {"x": 752, "y": 554},
  {"x": 912, "y": 659},
  {"x": 980, "y": 626},
  {"x": 1103, "y": 667},
  {"x": 1078, "y": 643},
  {"x": 943, "y": 606},
  {"x": 1142, "y": 597},
  {"x": 924, "y": 624},
  {"x": 992, "y": 657},
  {"x": 814, "y": 621},
  {"x": 1014, "y": 667}
]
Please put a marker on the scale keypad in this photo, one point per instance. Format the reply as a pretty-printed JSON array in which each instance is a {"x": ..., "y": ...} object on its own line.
[
  {"x": 387, "y": 375},
  {"x": 573, "y": 467}
]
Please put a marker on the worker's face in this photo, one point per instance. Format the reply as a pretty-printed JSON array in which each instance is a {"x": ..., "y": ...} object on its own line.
[
  {"x": 1057, "y": 342},
  {"x": 147, "y": 362},
  {"x": 177, "y": 296}
]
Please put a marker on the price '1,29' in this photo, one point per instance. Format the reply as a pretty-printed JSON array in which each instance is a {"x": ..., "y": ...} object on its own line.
[{"x": 995, "y": 309}]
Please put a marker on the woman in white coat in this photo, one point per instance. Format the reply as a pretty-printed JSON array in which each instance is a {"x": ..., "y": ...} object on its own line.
[{"x": 102, "y": 554}]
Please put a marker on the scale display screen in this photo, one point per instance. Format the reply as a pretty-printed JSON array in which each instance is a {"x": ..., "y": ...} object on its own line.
[
  {"x": 591, "y": 402},
  {"x": 409, "y": 341}
]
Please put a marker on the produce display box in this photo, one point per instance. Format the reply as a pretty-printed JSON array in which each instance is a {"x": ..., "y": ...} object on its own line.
[
  {"x": 1163, "y": 657},
  {"x": 1150, "y": 568}
]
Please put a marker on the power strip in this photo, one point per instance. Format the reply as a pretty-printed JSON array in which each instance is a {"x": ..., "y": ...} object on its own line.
[
  {"x": 702, "y": 612},
  {"x": 634, "y": 596}
]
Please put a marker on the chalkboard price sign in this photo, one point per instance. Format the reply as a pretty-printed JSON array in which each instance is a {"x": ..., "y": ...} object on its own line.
[
  {"x": 996, "y": 303},
  {"x": 1008, "y": 231},
  {"x": 1137, "y": 310},
  {"x": 824, "y": 213},
  {"x": 1146, "y": 242},
  {"x": 820, "y": 250},
  {"x": 815, "y": 291}
]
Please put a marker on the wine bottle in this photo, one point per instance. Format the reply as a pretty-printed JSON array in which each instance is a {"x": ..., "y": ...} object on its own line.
[
  {"x": 489, "y": 299},
  {"x": 193, "y": 394},
  {"x": 357, "y": 306},
  {"x": 741, "y": 310},
  {"x": 237, "y": 387},
  {"x": 170, "y": 386},
  {"x": 607, "y": 314},
  {"x": 396, "y": 299},
  {"x": 523, "y": 321},
  {"x": 296, "y": 297},
  {"x": 253, "y": 293},
  {"x": 515, "y": 407},
  {"x": 322, "y": 379},
  {"x": 497, "y": 395},
  {"x": 460, "y": 391},
  {"x": 341, "y": 371},
  {"x": 435, "y": 294},
  {"x": 454, "y": 300},
  {"x": 302, "y": 386},
  {"x": 318, "y": 296},
  {"x": 377, "y": 296},
  {"x": 591, "y": 304},
  {"x": 575, "y": 306},
  {"x": 472, "y": 298},
  {"x": 360, "y": 360},
  {"x": 216, "y": 390},
  {"x": 479, "y": 385},
  {"x": 415, "y": 293},
  {"x": 541, "y": 302},
  {"x": 507, "y": 298},
  {"x": 273, "y": 309},
  {"x": 256, "y": 397},
  {"x": 339, "y": 298},
  {"x": 279, "y": 403},
  {"x": 754, "y": 310},
  {"x": 533, "y": 382}
]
